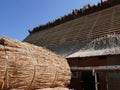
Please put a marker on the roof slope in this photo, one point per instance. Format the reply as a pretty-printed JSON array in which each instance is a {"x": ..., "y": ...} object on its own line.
[
  {"x": 107, "y": 45},
  {"x": 68, "y": 38},
  {"x": 77, "y": 13}
]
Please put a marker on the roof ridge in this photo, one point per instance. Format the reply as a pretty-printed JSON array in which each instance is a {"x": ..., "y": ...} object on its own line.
[{"x": 86, "y": 10}]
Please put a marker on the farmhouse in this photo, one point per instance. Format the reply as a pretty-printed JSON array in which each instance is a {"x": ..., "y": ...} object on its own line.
[{"x": 91, "y": 45}]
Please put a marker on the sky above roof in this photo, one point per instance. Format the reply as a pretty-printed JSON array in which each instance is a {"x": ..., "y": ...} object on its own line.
[{"x": 18, "y": 16}]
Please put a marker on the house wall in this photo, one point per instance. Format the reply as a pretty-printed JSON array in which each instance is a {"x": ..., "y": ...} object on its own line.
[
  {"x": 113, "y": 60},
  {"x": 87, "y": 61},
  {"x": 107, "y": 80},
  {"x": 114, "y": 81},
  {"x": 113, "y": 77},
  {"x": 76, "y": 82}
]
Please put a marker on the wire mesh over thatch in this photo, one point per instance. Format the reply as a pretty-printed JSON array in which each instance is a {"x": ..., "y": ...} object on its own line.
[{"x": 25, "y": 66}]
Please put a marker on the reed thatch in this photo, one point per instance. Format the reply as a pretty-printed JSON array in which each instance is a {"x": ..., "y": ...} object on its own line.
[
  {"x": 25, "y": 66},
  {"x": 107, "y": 45},
  {"x": 87, "y": 9},
  {"x": 58, "y": 88},
  {"x": 68, "y": 38}
]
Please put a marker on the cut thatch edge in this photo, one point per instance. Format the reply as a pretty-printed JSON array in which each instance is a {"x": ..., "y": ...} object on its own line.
[
  {"x": 90, "y": 50},
  {"x": 57, "y": 88},
  {"x": 22, "y": 57},
  {"x": 5, "y": 38},
  {"x": 89, "y": 53}
]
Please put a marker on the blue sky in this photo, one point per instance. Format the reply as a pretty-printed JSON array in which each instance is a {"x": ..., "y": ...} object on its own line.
[{"x": 17, "y": 16}]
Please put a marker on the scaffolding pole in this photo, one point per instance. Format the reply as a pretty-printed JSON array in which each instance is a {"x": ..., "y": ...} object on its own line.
[{"x": 96, "y": 81}]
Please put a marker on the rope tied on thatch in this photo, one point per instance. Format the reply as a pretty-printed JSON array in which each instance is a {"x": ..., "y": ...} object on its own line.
[
  {"x": 34, "y": 66},
  {"x": 55, "y": 78},
  {"x": 6, "y": 68}
]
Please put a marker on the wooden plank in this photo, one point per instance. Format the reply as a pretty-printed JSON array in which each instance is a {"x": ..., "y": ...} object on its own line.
[{"x": 98, "y": 68}]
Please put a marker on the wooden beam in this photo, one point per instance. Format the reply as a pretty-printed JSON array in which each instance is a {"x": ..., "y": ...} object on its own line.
[{"x": 98, "y": 68}]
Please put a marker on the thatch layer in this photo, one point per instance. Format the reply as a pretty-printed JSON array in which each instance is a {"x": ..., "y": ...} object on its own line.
[
  {"x": 58, "y": 88},
  {"x": 87, "y": 9},
  {"x": 68, "y": 38},
  {"x": 25, "y": 66},
  {"x": 107, "y": 45}
]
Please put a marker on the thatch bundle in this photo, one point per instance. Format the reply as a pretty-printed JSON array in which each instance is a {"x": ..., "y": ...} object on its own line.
[
  {"x": 25, "y": 66},
  {"x": 54, "y": 89}
]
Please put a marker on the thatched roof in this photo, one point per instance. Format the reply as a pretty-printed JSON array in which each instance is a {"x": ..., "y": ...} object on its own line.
[
  {"x": 70, "y": 37},
  {"x": 107, "y": 45},
  {"x": 87, "y": 9}
]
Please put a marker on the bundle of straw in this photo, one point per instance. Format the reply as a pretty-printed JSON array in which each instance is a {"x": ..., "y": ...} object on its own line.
[
  {"x": 25, "y": 66},
  {"x": 57, "y": 88}
]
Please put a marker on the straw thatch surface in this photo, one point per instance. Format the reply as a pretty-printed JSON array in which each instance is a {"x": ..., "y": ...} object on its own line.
[
  {"x": 67, "y": 38},
  {"x": 107, "y": 45},
  {"x": 54, "y": 89},
  {"x": 57, "y": 88},
  {"x": 25, "y": 66}
]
